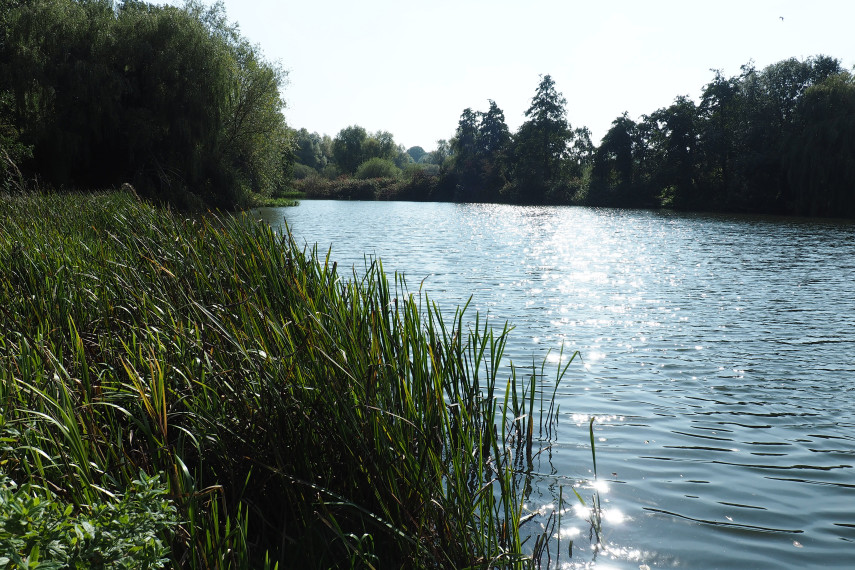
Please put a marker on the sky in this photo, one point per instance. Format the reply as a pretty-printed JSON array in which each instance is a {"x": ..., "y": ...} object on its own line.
[{"x": 411, "y": 68}]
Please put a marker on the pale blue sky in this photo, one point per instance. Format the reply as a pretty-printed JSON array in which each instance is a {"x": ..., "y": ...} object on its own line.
[{"x": 411, "y": 68}]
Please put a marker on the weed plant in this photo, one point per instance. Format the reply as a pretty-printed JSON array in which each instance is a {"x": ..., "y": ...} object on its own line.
[{"x": 293, "y": 417}]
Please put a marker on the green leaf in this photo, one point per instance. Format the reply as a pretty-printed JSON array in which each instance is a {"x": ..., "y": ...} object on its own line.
[{"x": 33, "y": 558}]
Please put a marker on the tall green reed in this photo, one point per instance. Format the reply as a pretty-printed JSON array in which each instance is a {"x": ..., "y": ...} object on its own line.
[{"x": 296, "y": 415}]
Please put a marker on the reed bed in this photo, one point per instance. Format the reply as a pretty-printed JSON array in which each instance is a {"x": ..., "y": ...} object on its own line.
[{"x": 274, "y": 412}]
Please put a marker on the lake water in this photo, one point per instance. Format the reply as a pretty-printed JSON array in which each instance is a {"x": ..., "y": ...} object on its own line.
[{"x": 718, "y": 357}]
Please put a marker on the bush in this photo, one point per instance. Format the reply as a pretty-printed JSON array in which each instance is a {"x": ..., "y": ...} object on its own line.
[
  {"x": 38, "y": 529},
  {"x": 331, "y": 172},
  {"x": 301, "y": 171},
  {"x": 377, "y": 168},
  {"x": 420, "y": 169}
]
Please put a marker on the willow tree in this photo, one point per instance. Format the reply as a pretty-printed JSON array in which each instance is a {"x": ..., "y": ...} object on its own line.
[
  {"x": 172, "y": 99},
  {"x": 820, "y": 159}
]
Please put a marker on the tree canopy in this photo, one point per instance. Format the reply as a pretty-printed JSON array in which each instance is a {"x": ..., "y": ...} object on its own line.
[{"x": 171, "y": 99}]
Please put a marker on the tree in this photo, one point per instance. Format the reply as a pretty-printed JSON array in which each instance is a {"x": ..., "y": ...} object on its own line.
[
  {"x": 348, "y": 149},
  {"x": 491, "y": 149},
  {"x": 442, "y": 153},
  {"x": 541, "y": 144},
  {"x": 380, "y": 145},
  {"x": 718, "y": 126},
  {"x": 493, "y": 136},
  {"x": 12, "y": 151},
  {"x": 309, "y": 150},
  {"x": 172, "y": 99},
  {"x": 582, "y": 151},
  {"x": 416, "y": 152},
  {"x": 820, "y": 158},
  {"x": 767, "y": 116},
  {"x": 464, "y": 157},
  {"x": 612, "y": 169},
  {"x": 677, "y": 142},
  {"x": 254, "y": 138}
]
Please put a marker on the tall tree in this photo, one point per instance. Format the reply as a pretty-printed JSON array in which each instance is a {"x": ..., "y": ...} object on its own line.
[
  {"x": 718, "y": 124},
  {"x": 542, "y": 143},
  {"x": 173, "y": 99},
  {"x": 348, "y": 148},
  {"x": 582, "y": 151},
  {"x": 416, "y": 153},
  {"x": 491, "y": 149},
  {"x": 380, "y": 145},
  {"x": 493, "y": 135},
  {"x": 464, "y": 148},
  {"x": 820, "y": 155},
  {"x": 612, "y": 170},
  {"x": 442, "y": 153},
  {"x": 768, "y": 108},
  {"x": 309, "y": 150},
  {"x": 677, "y": 153}
]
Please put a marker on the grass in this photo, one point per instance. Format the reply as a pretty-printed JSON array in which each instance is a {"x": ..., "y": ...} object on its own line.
[
  {"x": 293, "y": 417},
  {"x": 286, "y": 199}
]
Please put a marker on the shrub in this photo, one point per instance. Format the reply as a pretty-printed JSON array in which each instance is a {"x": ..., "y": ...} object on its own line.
[
  {"x": 36, "y": 528},
  {"x": 301, "y": 171},
  {"x": 377, "y": 168},
  {"x": 420, "y": 169}
]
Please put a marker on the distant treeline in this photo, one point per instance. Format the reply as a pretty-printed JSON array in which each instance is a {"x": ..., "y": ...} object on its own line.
[
  {"x": 95, "y": 93},
  {"x": 777, "y": 140}
]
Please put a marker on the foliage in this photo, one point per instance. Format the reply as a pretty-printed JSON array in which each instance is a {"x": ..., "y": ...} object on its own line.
[
  {"x": 541, "y": 146},
  {"x": 442, "y": 153},
  {"x": 312, "y": 150},
  {"x": 478, "y": 155},
  {"x": 775, "y": 140},
  {"x": 417, "y": 185},
  {"x": 421, "y": 169},
  {"x": 820, "y": 161},
  {"x": 173, "y": 100},
  {"x": 302, "y": 171},
  {"x": 612, "y": 169},
  {"x": 12, "y": 151},
  {"x": 298, "y": 417},
  {"x": 38, "y": 530},
  {"x": 348, "y": 148},
  {"x": 377, "y": 168},
  {"x": 353, "y": 146},
  {"x": 772, "y": 140},
  {"x": 417, "y": 153}
]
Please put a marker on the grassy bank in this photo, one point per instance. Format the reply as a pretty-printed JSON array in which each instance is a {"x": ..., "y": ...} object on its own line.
[{"x": 237, "y": 403}]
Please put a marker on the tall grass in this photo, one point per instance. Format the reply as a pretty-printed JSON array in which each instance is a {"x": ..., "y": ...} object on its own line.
[{"x": 294, "y": 416}]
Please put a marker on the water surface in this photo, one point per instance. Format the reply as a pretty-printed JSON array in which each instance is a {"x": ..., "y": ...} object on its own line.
[{"x": 718, "y": 356}]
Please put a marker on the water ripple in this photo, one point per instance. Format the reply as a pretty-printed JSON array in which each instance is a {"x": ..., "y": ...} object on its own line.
[{"x": 717, "y": 359}]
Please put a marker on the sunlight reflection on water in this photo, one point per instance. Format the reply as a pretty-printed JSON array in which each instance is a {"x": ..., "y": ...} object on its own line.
[{"x": 716, "y": 356}]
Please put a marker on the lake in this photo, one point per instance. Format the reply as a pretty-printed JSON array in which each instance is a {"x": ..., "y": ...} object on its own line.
[{"x": 717, "y": 355}]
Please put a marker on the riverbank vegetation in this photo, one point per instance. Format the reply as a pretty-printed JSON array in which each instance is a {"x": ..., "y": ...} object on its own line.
[
  {"x": 235, "y": 402},
  {"x": 774, "y": 140}
]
